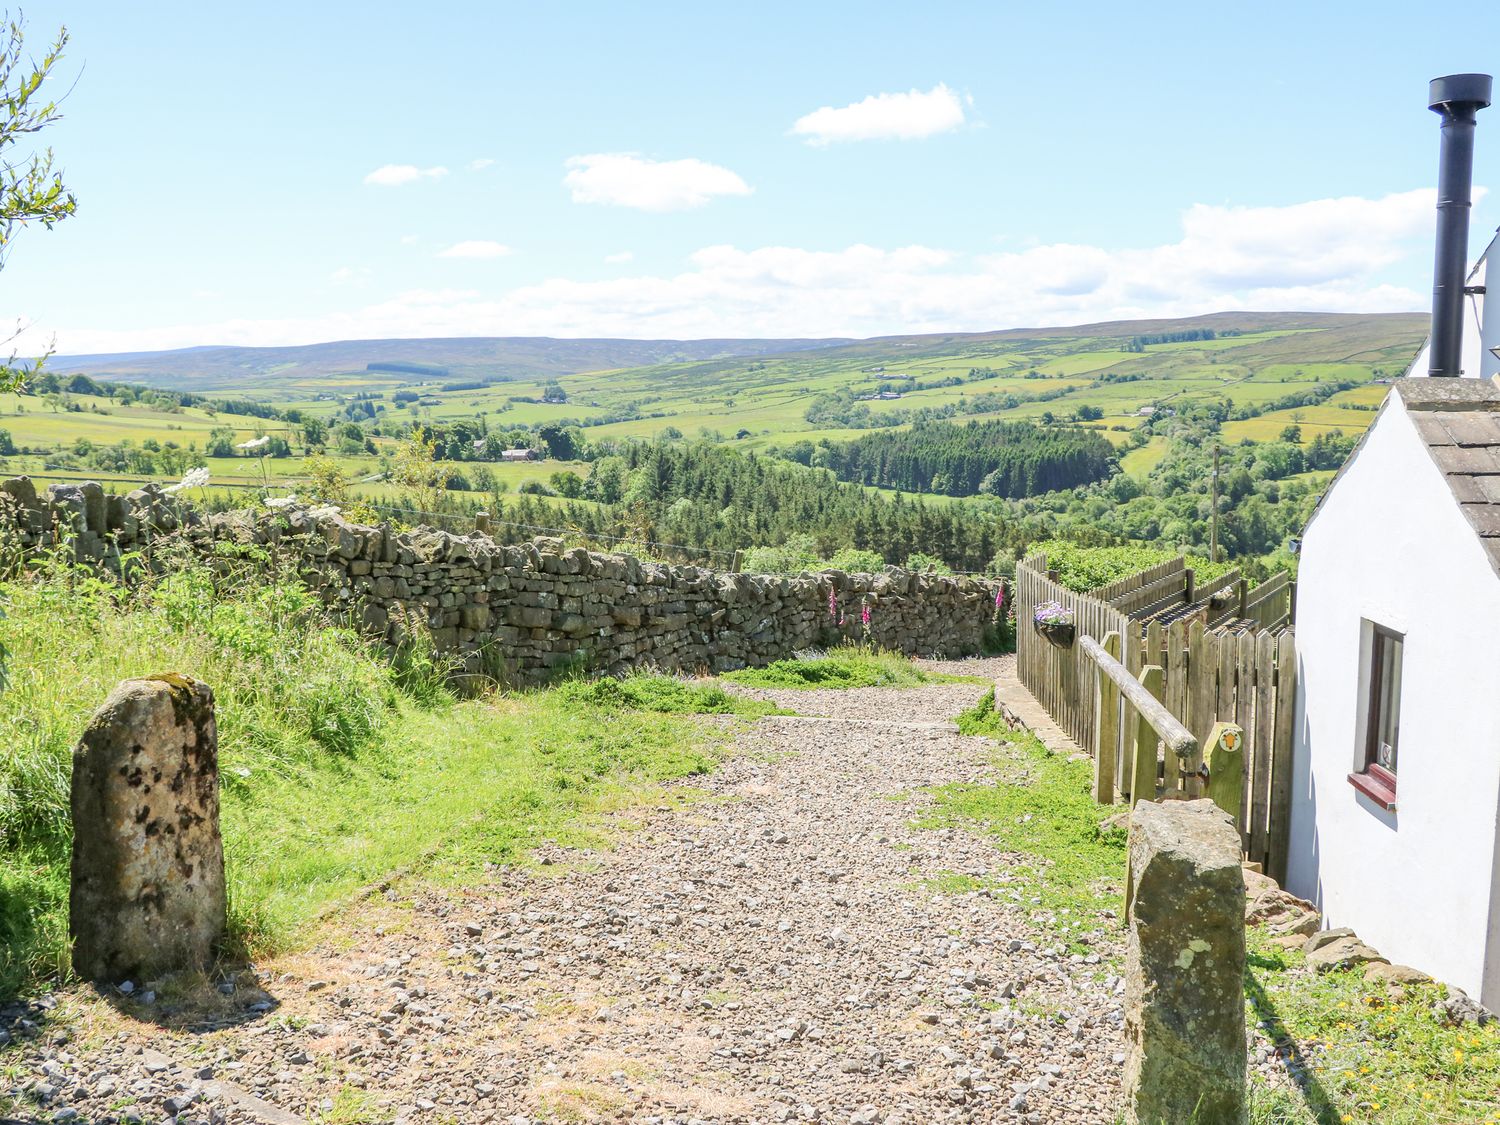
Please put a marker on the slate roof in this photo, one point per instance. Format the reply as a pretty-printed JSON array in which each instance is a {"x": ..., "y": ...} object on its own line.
[{"x": 1459, "y": 419}]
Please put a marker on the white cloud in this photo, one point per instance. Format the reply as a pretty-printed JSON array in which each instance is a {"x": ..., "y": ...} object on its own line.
[
  {"x": 476, "y": 248},
  {"x": 393, "y": 175},
  {"x": 885, "y": 117},
  {"x": 1337, "y": 255},
  {"x": 481, "y": 164},
  {"x": 410, "y": 239},
  {"x": 342, "y": 274},
  {"x": 626, "y": 179},
  {"x": 619, "y": 259}
]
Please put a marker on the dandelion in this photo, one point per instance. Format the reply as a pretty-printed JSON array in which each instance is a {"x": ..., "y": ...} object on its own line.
[{"x": 193, "y": 478}]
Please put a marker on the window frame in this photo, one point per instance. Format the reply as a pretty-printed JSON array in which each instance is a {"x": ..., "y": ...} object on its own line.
[{"x": 1374, "y": 780}]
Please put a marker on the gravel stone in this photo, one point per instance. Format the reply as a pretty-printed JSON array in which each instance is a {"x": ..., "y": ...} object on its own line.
[{"x": 765, "y": 950}]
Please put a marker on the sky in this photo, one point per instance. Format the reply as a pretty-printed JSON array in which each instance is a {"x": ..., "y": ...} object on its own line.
[{"x": 286, "y": 173}]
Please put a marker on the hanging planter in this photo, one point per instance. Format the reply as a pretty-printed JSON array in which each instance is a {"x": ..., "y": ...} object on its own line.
[
  {"x": 1054, "y": 623},
  {"x": 1059, "y": 634}
]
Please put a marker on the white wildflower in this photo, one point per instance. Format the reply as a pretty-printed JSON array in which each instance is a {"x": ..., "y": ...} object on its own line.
[
  {"x": 193, "y": 478},
  {"x": 281, "y": 501},
  {"x": 255, "y": 443},
  {"x": 324, "y": 511}
]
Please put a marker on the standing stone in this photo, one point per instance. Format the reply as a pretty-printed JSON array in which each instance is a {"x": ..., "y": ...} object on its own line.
[
  {"x": 148, "y": 863},
  {"x": 1184, "y": 967}
]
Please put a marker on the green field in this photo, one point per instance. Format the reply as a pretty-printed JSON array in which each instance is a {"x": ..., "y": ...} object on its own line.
[{"x": 752, "y": 401}]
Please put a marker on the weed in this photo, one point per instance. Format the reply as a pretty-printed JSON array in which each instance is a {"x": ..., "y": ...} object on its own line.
[
  {"x": 654, "y": 692},
  {"x": 853, "y": 666},
  {"x": 1041, "y": 810},
  {"x": 337, "y": 770},
  {"x": 350, "y": 1106},
  {"x": 1369, "y": 1056},
  {"x": 983, "y": 718}
]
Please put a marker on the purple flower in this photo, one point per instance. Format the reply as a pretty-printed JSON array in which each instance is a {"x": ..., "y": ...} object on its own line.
[{"x": 1052, "y": 613}]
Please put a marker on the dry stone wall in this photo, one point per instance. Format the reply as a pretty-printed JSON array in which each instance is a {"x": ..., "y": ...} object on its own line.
[{"x": 522, "y": 612}]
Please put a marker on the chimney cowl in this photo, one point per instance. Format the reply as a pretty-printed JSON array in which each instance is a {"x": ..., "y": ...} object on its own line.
[{"x": 1458, "y": 90}]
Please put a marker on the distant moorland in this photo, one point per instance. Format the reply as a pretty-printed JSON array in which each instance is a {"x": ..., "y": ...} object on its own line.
[{"x": 1096, "y": 432}]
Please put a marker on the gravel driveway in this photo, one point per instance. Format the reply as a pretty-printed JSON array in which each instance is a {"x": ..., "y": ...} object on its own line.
[{"x": 764, "y": 950}]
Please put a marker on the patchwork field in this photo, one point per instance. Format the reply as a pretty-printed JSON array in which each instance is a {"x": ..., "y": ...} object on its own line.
[{"x": 755, "y": 401}]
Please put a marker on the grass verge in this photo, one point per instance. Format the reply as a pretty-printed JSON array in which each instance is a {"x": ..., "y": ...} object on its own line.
[
  {"x": 853, "y": 666},
  {"x": 1368, "y": 1057},
  {"x": 1068, "y": 870},
  {"x": 337, "y": 769}
]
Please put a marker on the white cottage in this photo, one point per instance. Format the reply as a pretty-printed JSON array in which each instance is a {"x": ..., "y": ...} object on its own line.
[{"x": 1395, "y": 823}]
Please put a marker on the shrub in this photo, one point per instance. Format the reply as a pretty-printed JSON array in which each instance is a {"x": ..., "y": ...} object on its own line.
[
  {"x": 290, "y": 691},
  {"x": 798, "y": 553},
  {"x": 857, "y": 561},
  {"x": 1081, "y": 569},
  {"x": 927, "y": 564}
]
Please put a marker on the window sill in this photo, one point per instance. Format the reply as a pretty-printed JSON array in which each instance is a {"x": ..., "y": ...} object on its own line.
[{"x": 1380, "y": 791}]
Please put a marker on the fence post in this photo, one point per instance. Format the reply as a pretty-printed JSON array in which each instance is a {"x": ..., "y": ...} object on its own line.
[
  {"x": 1184, "y": 967},
  {"x": 1225, "y": 757},
  {"x": 1143, "y": 768},
  {"x": 1106, "y": 726}
]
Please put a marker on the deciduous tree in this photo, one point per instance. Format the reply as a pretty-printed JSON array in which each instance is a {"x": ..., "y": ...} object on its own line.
[{"x": 31, "y": 189}]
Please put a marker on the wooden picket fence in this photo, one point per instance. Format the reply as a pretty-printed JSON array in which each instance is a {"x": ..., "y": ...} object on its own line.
[{"x": 1242, "y": 673}]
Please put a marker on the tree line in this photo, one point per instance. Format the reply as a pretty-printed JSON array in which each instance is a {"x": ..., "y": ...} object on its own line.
[{"x": 1008, "y": 459}]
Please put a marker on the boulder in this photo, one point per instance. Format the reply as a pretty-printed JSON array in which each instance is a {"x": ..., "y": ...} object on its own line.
[
  {"x": 1343, "y": 952},
  {"x": 1184, "y": 970},
  {"x": 1281, "y": 912},
  {"x": 1461, "y": 1008},
  {"x": 148, "y": 864},
  {"x": 1384, "y": 971},
  {"x": 1324, "y": 937}
]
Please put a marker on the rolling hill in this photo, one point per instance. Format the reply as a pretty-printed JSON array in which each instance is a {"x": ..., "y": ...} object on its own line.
[{"x": 468, "y": 358}]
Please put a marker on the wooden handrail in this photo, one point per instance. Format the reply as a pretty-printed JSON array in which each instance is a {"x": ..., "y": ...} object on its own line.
[{"x": 1173, "y": 734}]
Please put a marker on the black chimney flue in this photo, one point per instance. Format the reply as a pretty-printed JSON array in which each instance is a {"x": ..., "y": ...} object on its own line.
[{"x": 1458, "y": 98}]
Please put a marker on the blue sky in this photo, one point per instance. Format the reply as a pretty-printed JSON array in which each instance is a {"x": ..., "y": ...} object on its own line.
[{"x": 285, "y": 173}]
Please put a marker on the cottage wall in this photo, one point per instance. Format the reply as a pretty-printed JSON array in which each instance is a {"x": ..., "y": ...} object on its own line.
[
  {"x": 1390, "y": 545},
  {"x": 524, "y": 612}
]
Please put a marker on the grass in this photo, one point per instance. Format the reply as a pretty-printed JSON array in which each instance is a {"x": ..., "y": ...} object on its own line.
[
  {"x": 849, "y": 667},
  {"x": 767, "y": 396},
  {"x": 338, "y": 769},
  {"x": 1371, "y": 1059},
  {"x": 1041, "y": 811},
  {"x": 659, "y": 693}
]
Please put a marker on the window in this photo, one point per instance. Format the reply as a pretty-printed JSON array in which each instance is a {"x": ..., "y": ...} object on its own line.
[{"x": 1377, "y": 778}]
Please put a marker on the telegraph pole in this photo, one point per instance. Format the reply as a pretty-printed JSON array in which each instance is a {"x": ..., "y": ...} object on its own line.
[{"x": 1213, "y": 524}]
